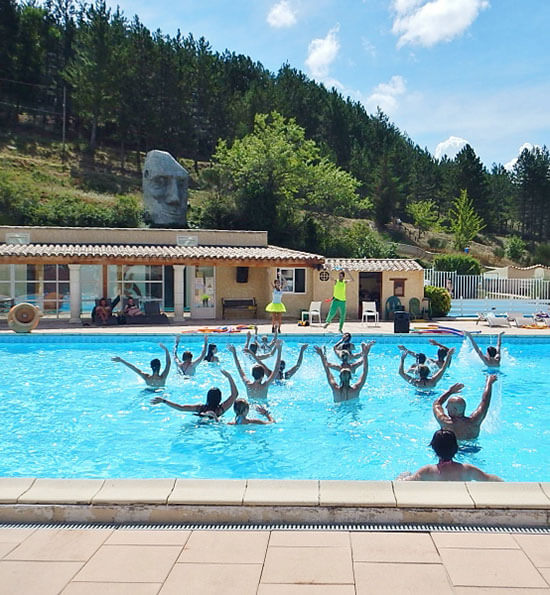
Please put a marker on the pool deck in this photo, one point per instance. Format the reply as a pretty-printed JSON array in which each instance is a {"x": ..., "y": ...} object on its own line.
[{"x": 114, "y": 559}]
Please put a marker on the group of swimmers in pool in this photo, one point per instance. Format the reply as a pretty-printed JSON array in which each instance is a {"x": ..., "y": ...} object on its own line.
[{"x": 424, "y": 374}]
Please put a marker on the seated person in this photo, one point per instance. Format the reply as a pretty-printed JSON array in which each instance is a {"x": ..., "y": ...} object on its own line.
[
  {"x": 241, "y": 408},
  {"x": 424, "y": 379},
  {"x": 131, "y": 309},
  {"x": 102, "y": 312},
  {"x": 445, "y": 447}
]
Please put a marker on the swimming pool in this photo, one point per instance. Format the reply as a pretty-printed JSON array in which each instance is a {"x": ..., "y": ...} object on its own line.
[{"x": 68, "y": 411}]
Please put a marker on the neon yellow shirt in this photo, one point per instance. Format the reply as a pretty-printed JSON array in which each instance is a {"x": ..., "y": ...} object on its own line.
[{"x": 340, "y": 291}]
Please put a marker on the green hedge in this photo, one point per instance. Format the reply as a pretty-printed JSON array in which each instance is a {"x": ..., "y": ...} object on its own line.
[
  {"x": 463, "y": 264},
  {"x": 440, "y": 300}
]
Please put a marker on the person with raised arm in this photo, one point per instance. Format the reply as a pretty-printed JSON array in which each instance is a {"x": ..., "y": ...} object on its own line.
[
  {"x": 241, "y": 409},
  {"x": 157, "y": 378},
  {"x": 251, "y": 347},
  {"x": 284, "y": 375},
  {"x": 492, "y": 356},
  {"x": 465, "y": 427},
  {"x": 338, "y": 303},
  {"x": 345, "y": 344},
  {"x": 441, "y": 353},
  {"x": 257, "y": 387},
  {"x": 345, "y": 391},
  {"x": 445, "y": 446},
  {"x": 187, "y": 365},
  {"x": 213, "y": 408},
  {"x": 424, "y": 380}
]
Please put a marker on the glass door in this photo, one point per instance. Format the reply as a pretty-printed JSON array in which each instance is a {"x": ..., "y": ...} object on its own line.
[{"x": 203, "y": 292}]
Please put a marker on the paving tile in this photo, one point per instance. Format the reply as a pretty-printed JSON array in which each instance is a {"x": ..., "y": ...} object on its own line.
[
  {"x": 112, "y": 589},
  {"x": 498, "y": 591},
  {"x": 309, "y": 539},
  {"x": 207, "y": 579},
  {"x": 356, "y": 493},
  {"x": 490, "y": 568},
  {"x": 425, "y": 494},
  {"x": 208, "y": 491},
  {"x": 6, "y": 548},
  {"x": 546, "y": 574},
  {"x": 15, "y": 534},
  {"x": 12, "y": 488},
  {"x": 129, "y": 564},
  {"x": 148, "y": 537},
  {"x": 60, "y": 544},
  {"x": 62, "y": 491},
  {"x": 295, "y": 492},
  {"x": 393, "y": 547},
  {"x": 472, "y": 540},
  {"x": 308, "y": 565},
  {"x": 272, "y": 589},
  {"x": 412, "y": 579},
  {"x": 36, "y": 578},
  {"x": 225, "y": 547},
  {"x": 126, "y": 491},
  {"x": 537, "y": 548},
  {"x": 545, "y": 487},
  {"x": 507, "y": 495}
]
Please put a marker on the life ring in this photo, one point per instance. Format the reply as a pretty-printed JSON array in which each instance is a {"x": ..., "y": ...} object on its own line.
[{"x": 23, "y": 318}]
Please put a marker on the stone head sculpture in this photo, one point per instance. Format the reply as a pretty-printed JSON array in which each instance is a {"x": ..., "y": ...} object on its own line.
[{"x": 165, "y": 184}]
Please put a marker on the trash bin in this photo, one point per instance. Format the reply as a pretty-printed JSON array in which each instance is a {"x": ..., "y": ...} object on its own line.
[{"x": 401, "y": 322}]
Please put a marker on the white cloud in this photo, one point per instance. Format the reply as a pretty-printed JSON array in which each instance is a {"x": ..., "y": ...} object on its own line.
[
  {"x": 321, "y": 54},
  {"x": 385, "y": 95},
  {"x": 281, "y": 15},
  {"x": 368, "y": 47},
  {"x": 510, "y": 165},
  {"x": 428, "y": 22},
  {"x": 450, "y": 147}
]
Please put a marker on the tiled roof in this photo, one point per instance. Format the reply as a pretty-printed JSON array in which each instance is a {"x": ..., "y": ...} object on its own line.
[
  {"x": 373, "y": 265},
  {"x": 170, "y": 253}
]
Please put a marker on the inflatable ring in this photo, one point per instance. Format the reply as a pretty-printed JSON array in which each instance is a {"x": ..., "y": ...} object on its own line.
[{"x": 23, "y": 318}]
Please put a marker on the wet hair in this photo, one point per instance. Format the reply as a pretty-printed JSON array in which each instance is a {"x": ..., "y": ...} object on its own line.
[
  {"x": 444, "y": 444},
  {"x": 421, "y": 358},
  {"x": 345, "y": 372},
  {"x": 442, "y": 353},
  {"x": 491, "y": 351},
  {"x": 213, "y": 399},
  {"x": 253, "y": 347},
  {"x": 258, "y": 372},
  {"x": 103, "y": 299},
  {"x": 186, "y": 356},
  {"x": 423, "y": 372},
  {"x": 211, "y": 351},
  {"x": 241, "y": 407},
  {"x": 345, "y": 354},
  {"x": 155, "y": 365},
  {"x": 346, "y": 346}
]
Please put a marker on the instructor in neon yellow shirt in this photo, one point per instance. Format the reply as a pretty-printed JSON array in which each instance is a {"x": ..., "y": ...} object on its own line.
[{"x": 338, "y": 303}]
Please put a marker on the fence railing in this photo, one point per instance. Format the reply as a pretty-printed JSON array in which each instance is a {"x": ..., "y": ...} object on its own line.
[{"x": 478, "y": 287}]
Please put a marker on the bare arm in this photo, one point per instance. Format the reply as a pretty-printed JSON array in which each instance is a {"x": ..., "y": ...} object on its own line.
[
  {"x": 365, "y": 347},
  {"x": 259, "y": 362},
  {"x": 402, "y": 372},
  {"x": 131, "y": 366},
  {"x": 437, "y": 408},
  {"x": 437, "y": 376},
  {"x": 238, "y": 364},
  {"x": 176, "y": 345},
  {"x": 295, "y": 368},
  {"x": 263, "y": 411},
  {"x": 234, "y": 392},
  {"x": 479, "y": 475},
  {"x": 203, "y": 352},
  {"x": 175, "y": 405},
  {"x": 266, "y": 355},
  {"x": 330, "y": 378},
  {"x": 499, "y": 344},
  {"x": 168, "y": 362},
  {"x": 476, "y": 347},
  {"x": 437, "y": 344},
  {"x": 481, "y": 412},
  {"x": 275, "y": 370}
]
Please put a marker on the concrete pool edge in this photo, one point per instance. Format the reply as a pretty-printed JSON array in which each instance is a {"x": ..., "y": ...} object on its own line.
[{"x": 27, "y": 500}]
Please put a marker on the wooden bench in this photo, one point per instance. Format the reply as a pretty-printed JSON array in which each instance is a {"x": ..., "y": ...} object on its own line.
[{"x": 247, "y": 304}]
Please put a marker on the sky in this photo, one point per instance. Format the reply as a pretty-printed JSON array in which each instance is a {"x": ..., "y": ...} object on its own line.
[{"x": 446, "y": 72}]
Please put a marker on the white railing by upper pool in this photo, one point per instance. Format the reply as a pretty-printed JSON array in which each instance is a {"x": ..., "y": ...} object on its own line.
[{"x": 471, "y": 308}]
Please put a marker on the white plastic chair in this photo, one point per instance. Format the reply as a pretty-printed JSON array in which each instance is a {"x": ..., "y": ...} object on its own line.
[
  {"x": 314, "y": 310},
  {"x": 369, "y": 309}
]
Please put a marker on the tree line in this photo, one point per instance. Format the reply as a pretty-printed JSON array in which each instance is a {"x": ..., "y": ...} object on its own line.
[{"x": 114, "y": 82}]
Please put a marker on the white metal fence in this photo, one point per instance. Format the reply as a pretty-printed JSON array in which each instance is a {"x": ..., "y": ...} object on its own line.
[{"x": 476, "y": 287}]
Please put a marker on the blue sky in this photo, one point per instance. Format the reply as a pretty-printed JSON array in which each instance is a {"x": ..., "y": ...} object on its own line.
[{"x": 445, "y": 71}]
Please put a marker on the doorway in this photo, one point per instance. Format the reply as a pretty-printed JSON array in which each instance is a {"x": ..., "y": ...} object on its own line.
[{"x": 370, "y": 290}]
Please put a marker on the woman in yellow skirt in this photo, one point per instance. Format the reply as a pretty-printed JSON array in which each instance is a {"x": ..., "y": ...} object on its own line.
[{"x": 276, "y": 307}]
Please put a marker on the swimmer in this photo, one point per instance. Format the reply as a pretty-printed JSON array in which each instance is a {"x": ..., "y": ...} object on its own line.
[
  {"x": 241, "y": 408},
  {"x": 257, "y": 388},
  {"x": 345, "y": 391},
  {"x": 345, "y": 344},
  {"x": 492, "y": 359},
  {"x": 346, "y": 361},
  {"x": 464, "y": 427},
  {"x": 155, "y": 379},
  {"x": 424, "y": 379},
  {"x": 289, "y": 373},
  {"x": 441, "y": 353},
  {"x": 251, "y": 348},
  {"x": 420, "y": 359},
  {"x": 445, "y": 447},
  {"x": 213, "y": 407},
  {"x": 211, "y": 356},
  {"x": 187, "y": 365}
]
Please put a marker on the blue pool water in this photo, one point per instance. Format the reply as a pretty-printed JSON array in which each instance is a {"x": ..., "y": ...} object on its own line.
[{"x": 68, "y": 411}]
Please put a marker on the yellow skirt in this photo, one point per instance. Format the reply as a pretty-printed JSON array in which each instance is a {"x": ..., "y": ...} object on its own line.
[{"x": 275, "y": 308}]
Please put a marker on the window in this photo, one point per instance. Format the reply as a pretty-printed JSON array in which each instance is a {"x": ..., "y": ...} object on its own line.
[
  {"x": 144, "y": 282},
  {"x": 292, "y": 280},
  {"x": 399, "y": 287}
]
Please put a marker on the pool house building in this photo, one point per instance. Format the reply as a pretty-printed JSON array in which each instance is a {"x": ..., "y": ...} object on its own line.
[{"x": 187, "y": 272}]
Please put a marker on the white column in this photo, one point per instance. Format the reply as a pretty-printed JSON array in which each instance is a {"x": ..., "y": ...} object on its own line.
[
  {"x": 179, "y": 298},
  {"x": 74, "y": 290}
]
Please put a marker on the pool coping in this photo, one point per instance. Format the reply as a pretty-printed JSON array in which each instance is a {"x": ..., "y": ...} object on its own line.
[{"x": 229, "y": 501}]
